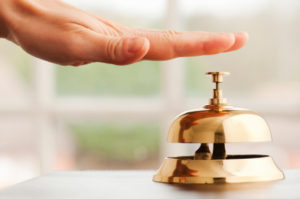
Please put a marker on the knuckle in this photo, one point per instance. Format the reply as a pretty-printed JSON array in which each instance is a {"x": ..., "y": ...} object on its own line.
[
  {"x": 169, "y": 34},
  {"x": 30, "y": 7},
  {"x": 111, "y": 49}
]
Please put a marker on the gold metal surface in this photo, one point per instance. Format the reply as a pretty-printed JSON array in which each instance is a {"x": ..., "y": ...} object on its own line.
[
  {"x": 228, "y": 125},
  {"x": 218, "y": 123},
  {"x": 233, "y": 169}
]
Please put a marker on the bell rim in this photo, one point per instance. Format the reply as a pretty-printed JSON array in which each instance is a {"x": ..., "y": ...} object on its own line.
[{"x": 261, "y": 169}]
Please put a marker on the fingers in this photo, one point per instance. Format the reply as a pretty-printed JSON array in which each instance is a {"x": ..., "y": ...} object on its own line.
[
  {"x": 241, "y": 39},
  {"x": 114, "y": 50},
  {"x": 153, "y": 45},
  {"x": 170, "y": 44}
]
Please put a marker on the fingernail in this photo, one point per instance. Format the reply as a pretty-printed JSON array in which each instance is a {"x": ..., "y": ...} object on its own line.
[
  {"x": 135, "y": 44},
  {"x": 242, "y": 34}
]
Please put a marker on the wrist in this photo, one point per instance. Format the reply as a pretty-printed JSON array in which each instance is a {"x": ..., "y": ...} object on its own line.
[
  {"x": 9, "y": 15},
  {"x": 3, "y": 16}
]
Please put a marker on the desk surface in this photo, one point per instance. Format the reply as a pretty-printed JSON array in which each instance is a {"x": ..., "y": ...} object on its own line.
[{"x": 138, "y": 184}]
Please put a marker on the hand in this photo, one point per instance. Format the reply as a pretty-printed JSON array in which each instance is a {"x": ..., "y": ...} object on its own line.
[{"x": 60, "y": 33}]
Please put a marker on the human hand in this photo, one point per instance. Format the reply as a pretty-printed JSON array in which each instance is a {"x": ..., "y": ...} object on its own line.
[{"x": 60, "y": 33}]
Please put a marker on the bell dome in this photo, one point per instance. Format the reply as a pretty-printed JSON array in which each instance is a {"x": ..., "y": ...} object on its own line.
[{"x": 227, "y": 125}]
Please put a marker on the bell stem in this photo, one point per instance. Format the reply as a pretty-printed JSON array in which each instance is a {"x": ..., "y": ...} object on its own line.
[{"x": 219, "y": 151}]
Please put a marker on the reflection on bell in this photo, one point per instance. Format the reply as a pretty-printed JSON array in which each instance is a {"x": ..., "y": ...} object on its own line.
[{"x": 218, "y": 123}]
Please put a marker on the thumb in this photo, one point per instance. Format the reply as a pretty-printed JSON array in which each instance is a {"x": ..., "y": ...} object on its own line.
[
  {"x": 129, "y": 50},
  {"x": 118, "y": 50}
]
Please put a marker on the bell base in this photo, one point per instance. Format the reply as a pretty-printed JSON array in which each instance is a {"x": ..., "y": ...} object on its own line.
[{"x": 233, "y": 169}]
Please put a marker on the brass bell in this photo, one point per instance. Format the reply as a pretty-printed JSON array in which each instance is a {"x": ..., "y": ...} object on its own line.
[{"x": 218, "y": 123}]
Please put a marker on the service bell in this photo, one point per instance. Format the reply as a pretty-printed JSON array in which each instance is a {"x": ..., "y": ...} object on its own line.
[{"x": 218, "y": 123}]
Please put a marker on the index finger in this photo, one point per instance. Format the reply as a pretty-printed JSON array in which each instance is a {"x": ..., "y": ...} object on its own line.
[{"x": 166, "y": 45}]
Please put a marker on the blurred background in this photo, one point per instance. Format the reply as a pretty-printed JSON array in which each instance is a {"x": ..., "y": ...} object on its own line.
[{"x": 102, "y": 116}]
